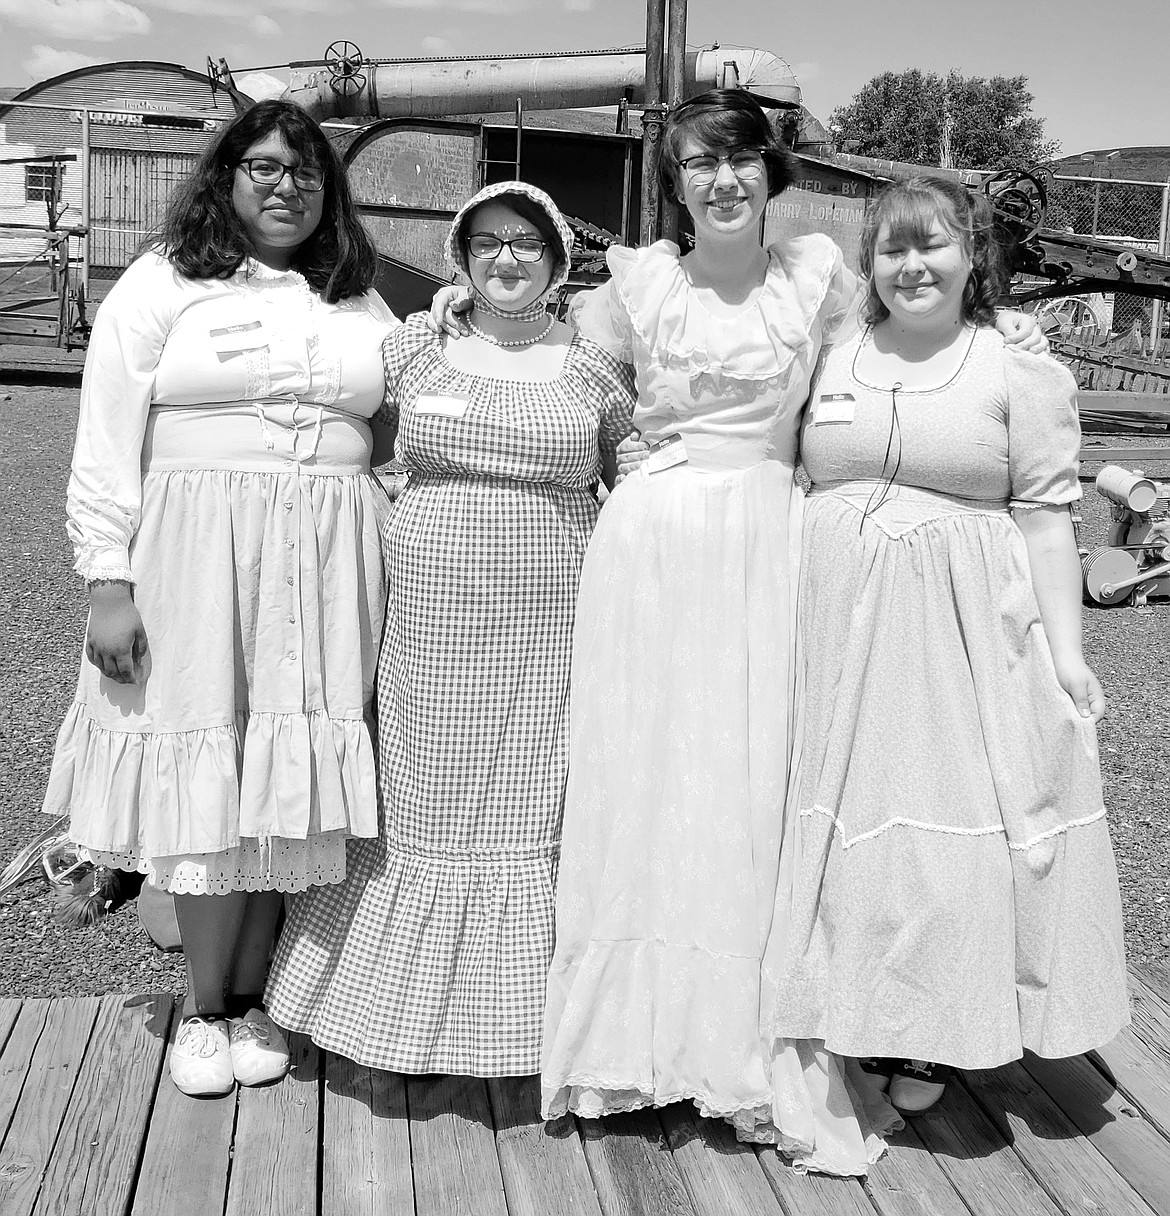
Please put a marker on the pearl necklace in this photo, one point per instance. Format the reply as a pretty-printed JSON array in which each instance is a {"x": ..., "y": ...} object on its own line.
[{"x": 513, "y": 342}]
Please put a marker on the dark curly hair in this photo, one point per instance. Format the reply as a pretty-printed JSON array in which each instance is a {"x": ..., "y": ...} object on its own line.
[
  {"x": 202, "y": 235},
  {"x": 910, "y": 208},
  {"x": 723, "y": 118}
]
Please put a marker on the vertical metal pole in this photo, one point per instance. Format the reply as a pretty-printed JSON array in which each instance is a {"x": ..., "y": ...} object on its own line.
[
  {"x": 85, "y": 207},
  {"x": 519, "y": 134},
  {"x": 1157, "y": 312},
  {"x": 676, "y": 51},
  {"x": 1096, "y": 206},
  {"x": 652, "y": 119}
]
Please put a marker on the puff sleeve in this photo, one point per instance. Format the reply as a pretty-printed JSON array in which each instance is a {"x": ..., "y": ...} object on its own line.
[
  {"x": 1043, "y": 428},
  {"x": 104, "y": 500},
  {"x": 604, "y": 317},
  {"x": 399, "y": 348},
  {"x": 611, "y": 385}
]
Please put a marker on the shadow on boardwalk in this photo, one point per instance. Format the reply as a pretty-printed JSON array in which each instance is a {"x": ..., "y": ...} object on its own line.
[{"x": 91, "y": 1126}]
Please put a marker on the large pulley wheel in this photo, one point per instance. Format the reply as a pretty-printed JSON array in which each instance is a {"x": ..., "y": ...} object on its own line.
[
  {"x": 344, "y": 62},
  {"x": 1103, "y": 569}
]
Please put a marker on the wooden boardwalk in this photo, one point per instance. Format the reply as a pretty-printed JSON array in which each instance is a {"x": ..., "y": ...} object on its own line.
[{"x": 91, "y": 1126}]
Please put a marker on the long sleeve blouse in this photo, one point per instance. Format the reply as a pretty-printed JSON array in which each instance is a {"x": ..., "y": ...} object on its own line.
[{"x": 163, "y": 340}]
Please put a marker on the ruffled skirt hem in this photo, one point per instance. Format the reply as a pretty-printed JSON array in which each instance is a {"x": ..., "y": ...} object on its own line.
[
  {"x": 274, "y": 864},
  {"x": 794, "y": 1119},
  {"x": 420, "y": 963},
  {"x": 163, "y": 794}
]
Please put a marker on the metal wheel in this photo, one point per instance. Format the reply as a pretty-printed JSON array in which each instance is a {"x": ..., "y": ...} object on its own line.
[
  {"x": 344, "y": 61},
  {"x": 1019, "y": 198},
  {"x": 1103, "y": 568},
  {"x": 1071, "y": 319}
]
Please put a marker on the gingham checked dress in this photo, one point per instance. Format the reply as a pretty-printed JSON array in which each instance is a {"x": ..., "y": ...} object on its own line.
[{"x": 432, "y": 957}]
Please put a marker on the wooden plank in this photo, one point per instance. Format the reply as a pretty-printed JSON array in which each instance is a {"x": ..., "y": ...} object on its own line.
[
  {"x": 1138, "y": 1059},
  {"x": 813, "y": 1194},
  {"x": 96, "y": 1156},
  {"x": 907, "y": 1181},
  {"x": 1153, "y": 982},
  {"x": 1104, "y": 452},
  {"x": 1132, "y": 1146},
  {"x": 980, "y": 1163},
  {"x": 720, "y": 1174},
  {"x": 9, "y": 1010},
  {"x": 274, "y": 1165},
  {"x": 1114, "y": 402},
  {"x": 365, "y": 1169},
  {"x": 1069, "y": 1168},
  {"x": 542, "y": 1164},
  {"x": 456, "y": 1170},
  {"x": 58, "y": 1037},
  {"x": 20, "y": 1039},
  {"x": 633, "y": 1170},
  {"x": 187, "y": 1157}
]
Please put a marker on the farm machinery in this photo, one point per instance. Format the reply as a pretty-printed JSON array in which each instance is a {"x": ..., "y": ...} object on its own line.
[{"x": 1135, "y": 563}]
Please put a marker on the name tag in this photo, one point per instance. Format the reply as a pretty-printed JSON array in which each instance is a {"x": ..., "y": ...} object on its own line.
[
  {"x": 834, "y": 407},
  {"x": 442, "y": 405},
  {"x": 665, "y": 454},
  {"x": 231, "y": 339}
]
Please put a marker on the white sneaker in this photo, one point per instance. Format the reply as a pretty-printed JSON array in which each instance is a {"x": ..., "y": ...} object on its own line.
[
  {"x": 259, "y": 1052},
  {"x": 201, "y": 1059},
  {"x": 917, "y": 1085}
]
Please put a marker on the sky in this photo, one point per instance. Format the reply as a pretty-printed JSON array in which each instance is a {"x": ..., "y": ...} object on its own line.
[{"x": 1097, "y": 68}]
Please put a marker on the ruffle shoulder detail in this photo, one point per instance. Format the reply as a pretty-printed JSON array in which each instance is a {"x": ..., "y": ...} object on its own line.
[{"x": 804, "y": 288}]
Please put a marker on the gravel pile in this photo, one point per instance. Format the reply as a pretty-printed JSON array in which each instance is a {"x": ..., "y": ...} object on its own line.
[{"x": 42, "y": 614}]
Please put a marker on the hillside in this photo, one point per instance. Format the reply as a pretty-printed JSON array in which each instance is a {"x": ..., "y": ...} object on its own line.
[{"x": 1138, "y": 164}]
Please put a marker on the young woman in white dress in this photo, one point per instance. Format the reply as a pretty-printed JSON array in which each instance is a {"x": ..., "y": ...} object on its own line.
[{"x": 223, "y": 514}]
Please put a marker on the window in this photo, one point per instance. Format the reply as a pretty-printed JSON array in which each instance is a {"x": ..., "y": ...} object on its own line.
[{"x": 42, "y": 183}]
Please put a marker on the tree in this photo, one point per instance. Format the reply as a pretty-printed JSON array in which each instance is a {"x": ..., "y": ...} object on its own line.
[{"x": 952, "y": 122}]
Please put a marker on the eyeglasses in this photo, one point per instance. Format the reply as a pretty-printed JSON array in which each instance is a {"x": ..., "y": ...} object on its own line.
[
  {"x": 746, "y": 164},
  {"x": 487, "y": 248},
  {"x": 265, "y": 171}
]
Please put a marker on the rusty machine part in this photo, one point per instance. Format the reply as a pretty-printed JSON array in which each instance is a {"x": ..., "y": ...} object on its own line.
[
  {"x": 1073, "y": 265},
  {"x": 1135, "y": 563},
  {"x": 345, "y": 63}
]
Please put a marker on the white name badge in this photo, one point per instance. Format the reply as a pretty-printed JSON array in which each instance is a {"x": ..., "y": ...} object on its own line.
[
  {"x": 231, "y": 339},
  {"x": 666, "y": 453},
  {"x": 834, "y": 407},
  {"x": 442, "y": 405}
]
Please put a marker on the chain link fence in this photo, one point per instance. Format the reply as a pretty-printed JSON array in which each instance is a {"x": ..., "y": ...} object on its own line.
[{"x": 1121, "y": 212}]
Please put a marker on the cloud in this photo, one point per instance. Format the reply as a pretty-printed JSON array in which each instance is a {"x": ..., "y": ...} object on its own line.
[
  {"x": 78, "y": 20},
  {"x": 259, "y": 85},
  {"x": 264, "y": 27},
  {"x": 47, "y": 61},
  {"x": 436, "y": 45}
]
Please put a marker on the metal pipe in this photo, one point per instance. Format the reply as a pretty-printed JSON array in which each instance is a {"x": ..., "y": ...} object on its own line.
[
  {"x": 676, "y": 49},
  {"x": 1164, "y": 249},
  {"x": 432, "y": 88},
  {"x": 652, "y": 119},
  {"x": 85, "y": 205}
]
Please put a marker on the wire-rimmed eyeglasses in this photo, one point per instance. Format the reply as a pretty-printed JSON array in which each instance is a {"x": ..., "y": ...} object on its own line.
[
  {"x": 487, "y": 248},
  {"x": 746, "y": 164},
  {"x": 265, "y": 171}
]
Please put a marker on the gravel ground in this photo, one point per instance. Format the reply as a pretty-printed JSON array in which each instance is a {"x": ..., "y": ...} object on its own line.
[{"x": 42, "y": 609}]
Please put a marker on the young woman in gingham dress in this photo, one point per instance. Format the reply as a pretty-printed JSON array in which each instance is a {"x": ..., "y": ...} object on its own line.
[{"x": 433, "y": 955}]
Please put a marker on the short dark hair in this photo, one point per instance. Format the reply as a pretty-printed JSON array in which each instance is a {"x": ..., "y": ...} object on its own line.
[
  {"x": 724, "y": 118},
  {"x": 911, "y": 208},
  {"x": 528, "y": 209},
  {"x": 202, "y": 235}
]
